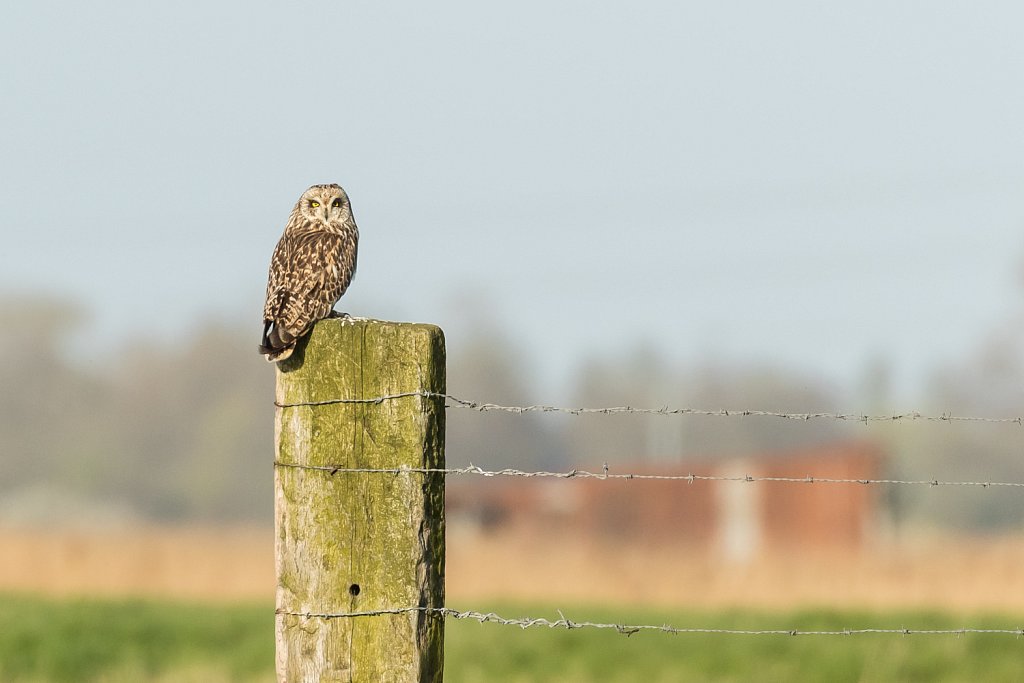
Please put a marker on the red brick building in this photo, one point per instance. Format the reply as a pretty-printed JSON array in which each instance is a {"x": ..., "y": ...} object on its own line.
[{"x": 737, "y": 518}]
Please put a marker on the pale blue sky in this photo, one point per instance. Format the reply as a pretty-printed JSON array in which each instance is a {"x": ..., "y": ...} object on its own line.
[{"x": 804, "y": 183}]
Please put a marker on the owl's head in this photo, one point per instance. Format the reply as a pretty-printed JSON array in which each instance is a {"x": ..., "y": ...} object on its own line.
[{"x": 324, "y": 205}]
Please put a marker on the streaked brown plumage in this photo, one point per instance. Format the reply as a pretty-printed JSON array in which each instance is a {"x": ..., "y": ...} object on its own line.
[{"x": 312, "y": 267}]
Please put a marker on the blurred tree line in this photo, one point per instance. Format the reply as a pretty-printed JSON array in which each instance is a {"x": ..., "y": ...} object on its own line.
[
  {"x": 165, "y": 432},
  {"x": 987, "y": 383},
  {"x": 184, "y": 431}
]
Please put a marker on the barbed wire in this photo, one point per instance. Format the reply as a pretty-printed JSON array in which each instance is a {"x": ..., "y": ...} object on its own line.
[
  {"x": 606, "y": 474},
  {"x": 456, "y": 402},
  {"x": 631, "y": 629}
]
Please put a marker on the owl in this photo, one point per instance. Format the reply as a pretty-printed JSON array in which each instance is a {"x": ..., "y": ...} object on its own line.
[{"x": 312, "y": 267}]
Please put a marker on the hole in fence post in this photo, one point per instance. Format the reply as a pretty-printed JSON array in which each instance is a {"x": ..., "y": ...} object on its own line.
[{"x": 353, "y": 590}]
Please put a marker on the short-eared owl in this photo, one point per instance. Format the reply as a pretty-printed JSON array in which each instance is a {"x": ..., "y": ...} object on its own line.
[{"x": 312, "y": 267}]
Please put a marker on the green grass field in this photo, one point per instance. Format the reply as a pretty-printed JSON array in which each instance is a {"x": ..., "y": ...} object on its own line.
[{"x": 51, "y": 641}]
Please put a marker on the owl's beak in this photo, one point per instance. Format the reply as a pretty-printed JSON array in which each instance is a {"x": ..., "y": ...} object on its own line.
[{"x": 326, "y": 211}]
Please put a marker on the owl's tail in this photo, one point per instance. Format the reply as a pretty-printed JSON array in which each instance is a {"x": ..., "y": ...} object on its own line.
[{"x": 277, "y": 344}]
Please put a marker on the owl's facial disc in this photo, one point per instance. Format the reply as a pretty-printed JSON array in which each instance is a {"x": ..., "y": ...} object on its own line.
[{"x": 325, "y": 204}]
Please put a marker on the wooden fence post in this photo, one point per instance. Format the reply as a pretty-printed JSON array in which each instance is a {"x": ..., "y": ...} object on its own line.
[{"x": 360, "y": 541}]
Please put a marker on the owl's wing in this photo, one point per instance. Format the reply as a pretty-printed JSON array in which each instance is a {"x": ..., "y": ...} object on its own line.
[
  {"x": 309, "y": 273},
  {"x": 280, "y": 265}
]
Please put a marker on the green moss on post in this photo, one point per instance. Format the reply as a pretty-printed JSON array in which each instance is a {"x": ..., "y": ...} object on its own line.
[{"x": 381, "y": 532}]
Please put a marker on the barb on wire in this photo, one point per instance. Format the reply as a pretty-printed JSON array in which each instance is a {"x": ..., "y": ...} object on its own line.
[
  {"x": 606, "y": 474},
  {"x": 456, "y": 402},
  {"x": 630, "y": 629}
]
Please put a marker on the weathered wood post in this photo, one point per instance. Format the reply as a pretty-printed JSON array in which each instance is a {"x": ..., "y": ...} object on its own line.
[{"x": 355, "y": 542}]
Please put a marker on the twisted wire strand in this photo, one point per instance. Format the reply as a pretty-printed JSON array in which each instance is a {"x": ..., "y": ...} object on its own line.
[
  {"x": 456, "y": 402},
  {"x": 608, "y": 475},
  {"x": 630, "y": 629}
]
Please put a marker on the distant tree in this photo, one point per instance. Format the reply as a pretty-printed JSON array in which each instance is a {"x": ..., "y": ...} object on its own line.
[
  {"x": 47, "y": 406},
  {"x": 170, "y": 433},
  {"x": 990, "y": 383},
  {"x": 487, "y": 367},
  {"x": 644, "y": 379},
  {"x": 199, "y": 432}
]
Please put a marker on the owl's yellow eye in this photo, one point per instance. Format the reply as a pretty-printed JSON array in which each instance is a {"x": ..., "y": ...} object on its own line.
[
  {"x": 336, "y": 203},
  {"x": 314, "y": 204}
]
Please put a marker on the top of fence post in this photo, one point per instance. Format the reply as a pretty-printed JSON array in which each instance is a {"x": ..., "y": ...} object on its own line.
[{"x": 356, "y": 542}]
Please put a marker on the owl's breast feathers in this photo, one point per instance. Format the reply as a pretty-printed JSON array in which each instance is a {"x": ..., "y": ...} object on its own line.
[{"x": 308, "y": 274}]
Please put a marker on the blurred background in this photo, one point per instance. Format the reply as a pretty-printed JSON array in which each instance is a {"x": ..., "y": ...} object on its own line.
[{"x": 786, "y": 207}]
